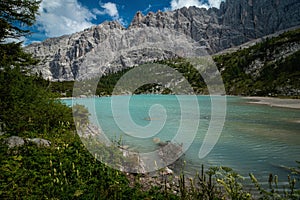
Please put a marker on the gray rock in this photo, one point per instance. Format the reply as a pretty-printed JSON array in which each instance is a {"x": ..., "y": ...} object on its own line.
[
  {"x": 169, "y": 152},
  {"x": 40, "y": 142},
  {"x": 166, "y": 171},
  {"x": 109, "y": 47},
  {"x": 14, "y": 141},
  {"x": 2, "y": 133},
  {"x": 2, "y": 125}
]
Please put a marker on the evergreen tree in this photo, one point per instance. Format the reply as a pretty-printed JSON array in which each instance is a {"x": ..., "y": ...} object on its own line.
[
  {"x": 15, "y": 16},
  {"x": 26, "y": 104}
]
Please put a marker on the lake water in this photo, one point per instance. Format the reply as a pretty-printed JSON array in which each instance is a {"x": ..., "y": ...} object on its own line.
[{"x": 256, "y": 138}]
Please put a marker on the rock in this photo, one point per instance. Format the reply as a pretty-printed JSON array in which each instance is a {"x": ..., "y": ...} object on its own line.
[
  {"x": 40, "y": 142},
  {"x": 124, "y": 147},
  {"x": 109, "y": 47},
  {"x": 156, "y": 140},
  {"x": 2, "y": 126},
  {"x": 14, "y": 141},
  {"x": 162, "y": 144},
  {"x": 90, "y": 131},
  {"x": 167, "y": 171},
  {"x": 134, "y": 164}
]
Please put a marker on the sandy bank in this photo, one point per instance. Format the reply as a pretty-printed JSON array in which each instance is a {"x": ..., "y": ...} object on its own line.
[
  {"x": 65, "y": 98},
  {"x": 276, "y": 102}
]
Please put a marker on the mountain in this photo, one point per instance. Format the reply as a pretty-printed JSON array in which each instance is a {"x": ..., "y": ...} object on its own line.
[
  {"x": 268, "y": 68},
  {"x": 109, "y": 47}
]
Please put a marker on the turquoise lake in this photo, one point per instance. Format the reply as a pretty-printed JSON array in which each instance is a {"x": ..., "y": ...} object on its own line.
[{"x": 256, "y": 138}]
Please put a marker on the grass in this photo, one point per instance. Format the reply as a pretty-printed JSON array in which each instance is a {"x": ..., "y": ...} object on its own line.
[{"x": 66, "y": 170}]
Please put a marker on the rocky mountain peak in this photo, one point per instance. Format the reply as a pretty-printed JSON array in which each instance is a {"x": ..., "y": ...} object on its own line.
[
  {"x": 110, "y": 47},
  {"x": 137, "y": 20},
  {"x": 111, "y": 25}
]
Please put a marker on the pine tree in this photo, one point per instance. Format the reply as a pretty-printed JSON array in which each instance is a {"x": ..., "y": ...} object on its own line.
[
  {"x": 26, "y": 105},
  {"x": 16, "y": 16}
]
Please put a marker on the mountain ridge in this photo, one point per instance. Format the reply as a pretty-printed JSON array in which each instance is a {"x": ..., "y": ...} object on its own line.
[
  {"x": 109, "y": 47},
  {"x": 266, "y": 68}
]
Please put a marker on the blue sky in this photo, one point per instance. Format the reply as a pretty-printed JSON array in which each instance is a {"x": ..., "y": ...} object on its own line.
[{"x": 60, "y": 17}]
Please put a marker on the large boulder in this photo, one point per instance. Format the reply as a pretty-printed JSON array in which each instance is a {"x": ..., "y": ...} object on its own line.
[
  {"x": 40, "y": 142},
  {"x": 14, "y": 141}
]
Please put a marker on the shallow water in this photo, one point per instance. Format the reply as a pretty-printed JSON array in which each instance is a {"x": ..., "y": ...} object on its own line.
[{"x": 256, "y": 138}]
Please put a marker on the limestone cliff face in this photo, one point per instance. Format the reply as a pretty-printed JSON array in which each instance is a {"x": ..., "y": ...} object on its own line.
[
  {"x": 110, "y": 47},
  {"x": 236, "y": 22}
]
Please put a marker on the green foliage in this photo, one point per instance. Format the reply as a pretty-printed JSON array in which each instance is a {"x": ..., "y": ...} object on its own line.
[
  {"x": 27, "y": 106},
  {"x": 66, "y": 170},
  {"x": 63, "y": 89},
  {"x": 216, "y": 183},
  {"x": 231, "y": 182},
  {"x": 14, "y": 15},
  {"x": 13, "y": 54},
  {"x": 273, "y": 192},
  {"x": 107, "y": 82},
  {"x": 275, "y": 76},
  {"x": 190, "y": 73}
]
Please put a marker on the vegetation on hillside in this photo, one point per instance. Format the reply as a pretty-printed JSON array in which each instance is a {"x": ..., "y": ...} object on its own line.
[
  {"x": 261, "y": 70},
  {"x": 66, "y": 169},
  {"x": 107, "y": 82},
  {"x": 258, "y": 70}
]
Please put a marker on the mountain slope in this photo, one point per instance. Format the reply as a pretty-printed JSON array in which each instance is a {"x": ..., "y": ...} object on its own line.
[
  {"x": 267, "y": 68},
  {"x": 109, "y": 47}
]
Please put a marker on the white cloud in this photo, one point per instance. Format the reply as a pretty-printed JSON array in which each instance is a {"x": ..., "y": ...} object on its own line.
[
  {"x": 176, "y": 4},
  {"x": 111, "y": 10},
  {"x": 215, "y": 3},
  {"x": 25, "y": 41},
  {"x": 148, "y": 8},
  {"x": 59, "y": 17},
  {"x": 16, "y": 40}
]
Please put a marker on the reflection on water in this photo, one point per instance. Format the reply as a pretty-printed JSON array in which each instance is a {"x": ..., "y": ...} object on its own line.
[{"x": 256, "y": 138}]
